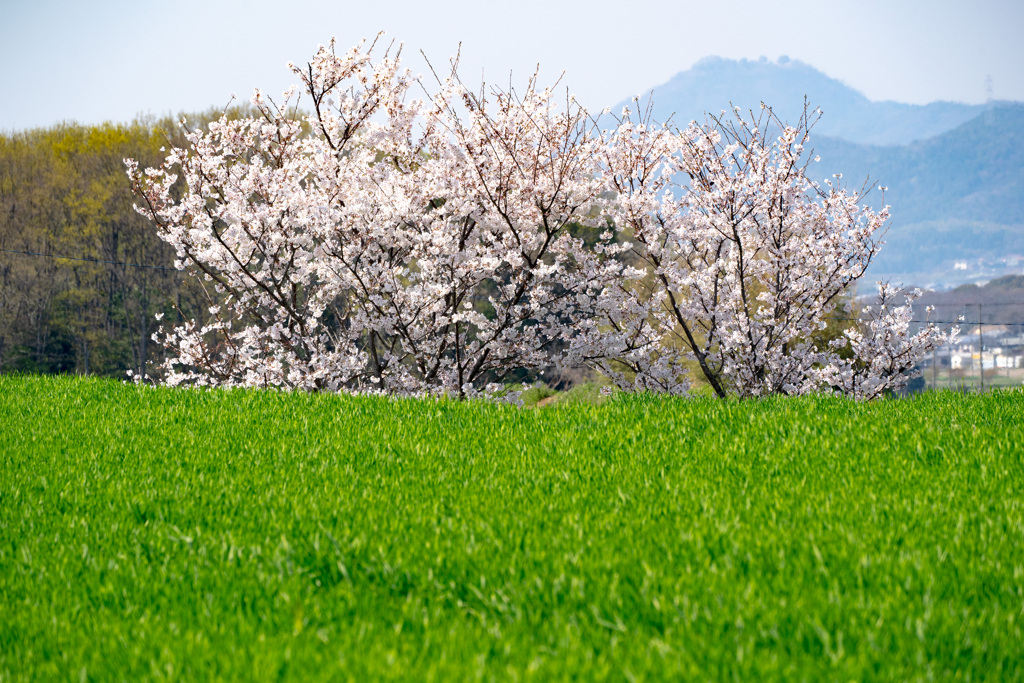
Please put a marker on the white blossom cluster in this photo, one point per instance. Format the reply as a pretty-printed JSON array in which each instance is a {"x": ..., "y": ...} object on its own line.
[
  {"x": 742, "y": 260},
  {"x": 438, "y": 244}
]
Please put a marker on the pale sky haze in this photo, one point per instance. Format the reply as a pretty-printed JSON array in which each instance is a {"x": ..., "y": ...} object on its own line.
[{"x": 113, "y": 59}]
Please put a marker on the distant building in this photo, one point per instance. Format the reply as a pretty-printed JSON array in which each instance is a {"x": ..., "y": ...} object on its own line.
[{"x": 988, "y": 360}]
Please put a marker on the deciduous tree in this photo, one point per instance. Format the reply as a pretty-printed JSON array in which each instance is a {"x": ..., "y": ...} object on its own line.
[
  {"x": 398, "y": 240},
  {"x": 742, "y": 259},
  {"x": 382, "y": 242}
]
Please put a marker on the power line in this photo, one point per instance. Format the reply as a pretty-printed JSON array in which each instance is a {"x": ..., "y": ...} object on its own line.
[
  {"x": 975, "y": 303},
  {"x": 988, "y": 323}
]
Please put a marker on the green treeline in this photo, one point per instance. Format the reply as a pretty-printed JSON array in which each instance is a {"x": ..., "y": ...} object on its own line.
[{"x": 64, "y": 192}]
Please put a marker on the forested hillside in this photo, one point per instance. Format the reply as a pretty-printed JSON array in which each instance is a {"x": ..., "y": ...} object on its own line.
[
  {"x": 954, "y": 172},
  {"x": 956, "y": 198},
  {"x": 64, "y": 192}
]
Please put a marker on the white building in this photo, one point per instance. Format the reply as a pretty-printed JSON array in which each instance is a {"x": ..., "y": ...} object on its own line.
[{"x": 988, "y": 360}]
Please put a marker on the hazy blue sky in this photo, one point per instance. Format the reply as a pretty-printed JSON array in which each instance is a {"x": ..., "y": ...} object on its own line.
[{"x": 95, "y": 60}]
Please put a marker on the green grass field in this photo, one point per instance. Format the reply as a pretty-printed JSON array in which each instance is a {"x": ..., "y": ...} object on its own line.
[{"x": 192, "y": 535}]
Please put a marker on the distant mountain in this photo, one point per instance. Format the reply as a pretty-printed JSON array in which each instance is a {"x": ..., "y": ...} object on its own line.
[
  {"x": 713, "y": 83},
  {"x": 957, "y": 199},
  {"x": 974, "y": 172},
  {"x": 954, "y": 172}
]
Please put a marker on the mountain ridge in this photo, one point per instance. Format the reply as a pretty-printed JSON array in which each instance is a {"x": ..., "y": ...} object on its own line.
[
  {"x": 714, "y": 83},
  {"x": 956, "y": 198},
  {"x": 954, "y": 172}
]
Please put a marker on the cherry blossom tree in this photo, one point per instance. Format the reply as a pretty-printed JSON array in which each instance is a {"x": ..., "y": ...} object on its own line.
[
  {"x": 883, "y": 350},
  {"x": 381, "y": 242},
  {"x": 366, "y": 234},
  {"x": 739, "y": 258}
]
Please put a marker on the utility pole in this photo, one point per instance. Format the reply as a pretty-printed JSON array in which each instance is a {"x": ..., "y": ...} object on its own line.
[
  {"x": 949, "y": 377},
  {"x": 981, "y": 350}
]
